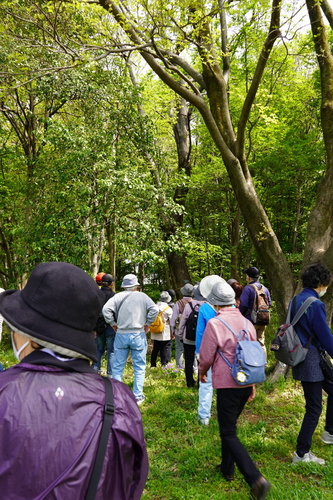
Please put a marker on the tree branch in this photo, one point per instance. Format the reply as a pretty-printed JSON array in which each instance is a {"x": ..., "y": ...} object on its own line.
[
  {"x": 273, "y": 34},
  {"x": 328, "y": 11},
  {"x": 224, "y": 41}
]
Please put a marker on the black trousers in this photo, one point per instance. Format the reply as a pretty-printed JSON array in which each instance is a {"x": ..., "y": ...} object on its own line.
[
  {"x": 313, "y": 408},
  {"x": 230, "y": 404},
  {"x": 162, "y": 347},
  {"x": 189, "y": 355}
]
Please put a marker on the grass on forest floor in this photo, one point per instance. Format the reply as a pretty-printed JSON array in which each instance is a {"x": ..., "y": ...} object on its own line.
[{"x": 183, "y": 454}]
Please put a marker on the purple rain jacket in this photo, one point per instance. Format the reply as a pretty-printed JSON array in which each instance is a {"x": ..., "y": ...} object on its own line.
[{"x": 50, "y": 423}]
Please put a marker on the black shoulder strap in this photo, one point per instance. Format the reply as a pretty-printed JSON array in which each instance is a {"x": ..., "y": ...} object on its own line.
[{"x": 103, "y": 440}]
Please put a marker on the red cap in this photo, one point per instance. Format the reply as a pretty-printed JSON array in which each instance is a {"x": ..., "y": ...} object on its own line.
[{"x": 98, "y": 278}]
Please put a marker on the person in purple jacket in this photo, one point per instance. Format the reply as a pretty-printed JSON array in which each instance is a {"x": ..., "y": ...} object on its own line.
[{"x": 52, "y": 402}]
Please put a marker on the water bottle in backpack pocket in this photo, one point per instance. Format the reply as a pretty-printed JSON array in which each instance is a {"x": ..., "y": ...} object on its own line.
[{"x": 250, "y": 358}]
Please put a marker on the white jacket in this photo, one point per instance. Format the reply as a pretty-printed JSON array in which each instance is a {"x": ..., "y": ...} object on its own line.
[{"x": 166, "y": 315}]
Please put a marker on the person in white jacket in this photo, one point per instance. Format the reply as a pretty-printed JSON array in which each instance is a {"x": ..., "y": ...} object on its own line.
[
  {"x": 162, "y": 341},
  {"x": 130, "y": 313}
]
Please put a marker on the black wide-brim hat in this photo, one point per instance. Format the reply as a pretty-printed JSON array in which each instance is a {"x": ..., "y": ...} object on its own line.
[{"x": 57, "y": 308}]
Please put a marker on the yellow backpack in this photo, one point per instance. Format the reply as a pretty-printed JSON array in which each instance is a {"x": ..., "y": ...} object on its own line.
[{"x": 158, "y": 325}]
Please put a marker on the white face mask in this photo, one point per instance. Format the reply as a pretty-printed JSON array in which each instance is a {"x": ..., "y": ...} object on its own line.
[
  {"x": 322, "y": 292},
  {"x": 18, "y": 352}
]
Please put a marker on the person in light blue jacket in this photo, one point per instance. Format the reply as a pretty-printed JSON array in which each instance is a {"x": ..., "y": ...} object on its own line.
[{"x": 206, "y": 312}]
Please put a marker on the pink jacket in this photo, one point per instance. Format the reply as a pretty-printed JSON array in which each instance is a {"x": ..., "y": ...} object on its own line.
[{"x": 218, "y": 336}]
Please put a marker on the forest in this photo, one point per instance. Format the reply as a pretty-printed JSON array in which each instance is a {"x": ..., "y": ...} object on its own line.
[{"x": 173, "y": 140}]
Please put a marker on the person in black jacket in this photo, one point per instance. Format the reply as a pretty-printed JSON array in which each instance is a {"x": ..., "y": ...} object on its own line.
[{"x": 105, "y": 334}]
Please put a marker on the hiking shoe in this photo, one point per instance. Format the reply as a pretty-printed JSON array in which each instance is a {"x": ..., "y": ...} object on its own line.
[
  {"x": 140, "y": 400},
  {"x": 204, "y": 421},
  {"x": 260, "y": 488},
  {"x": 327, "y": 438},
  {"x": 308, "y": 457}
]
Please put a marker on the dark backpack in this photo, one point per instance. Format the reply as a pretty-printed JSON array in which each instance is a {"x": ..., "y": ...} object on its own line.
[
  {"x": 250, "y": 358},
  {"x": 286, "y": 345},
  {"x": 191, "y": 322},
  {"x": 260, "y": 314}
]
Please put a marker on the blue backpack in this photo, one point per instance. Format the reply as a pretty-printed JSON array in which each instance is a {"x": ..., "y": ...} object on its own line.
[{"x": 250, "y": 358}]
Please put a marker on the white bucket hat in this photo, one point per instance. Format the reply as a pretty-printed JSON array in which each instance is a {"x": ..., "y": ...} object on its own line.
[
  {"x": 207, "y": 283},
  {"x": 129, "y": 281}
]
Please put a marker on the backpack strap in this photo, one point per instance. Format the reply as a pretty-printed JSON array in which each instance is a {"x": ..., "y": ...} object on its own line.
[
  {"x": 116, "y": 313},
  {"x": 300, "y": 311},
  {"x": 229, "y": 327},
  {"x": 232, "y": 331},
  {"x": 298, "y": 315},
  {"x": 103, "y": 440},
  {"x": 181, "y": 306},
  {"x": 255, "y": 300},
  {"x": 161, "y": 313}
]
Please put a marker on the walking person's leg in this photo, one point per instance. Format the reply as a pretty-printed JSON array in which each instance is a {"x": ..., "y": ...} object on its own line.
[
  {"x": 230, "y": 403},
  {"x": 328, "y": 388},
  {"x": 138, "y": 346},
  {"x": 205, "y": 399},
  {"x": 179, "y": 348},
  {"x": 189, "y": 354},
  {"x": 100, "y": 346},
  {"x": 121, "y": 349},
  {"x": 260, "y": 329},
  {"x": 313, "y": 408},
  {"x": 165, "y": 352},
  {"x": 110, "y": 336},
  {"x": 327, "y": 435},
  {"x": 154, "y": 353}
]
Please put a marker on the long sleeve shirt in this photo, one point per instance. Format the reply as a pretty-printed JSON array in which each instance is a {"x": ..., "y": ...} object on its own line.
[
  {"x": 206, "y": 312},
  {"x": 136, "y": 311}
]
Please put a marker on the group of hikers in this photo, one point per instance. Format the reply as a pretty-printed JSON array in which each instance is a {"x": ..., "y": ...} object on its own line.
[{"x": 56, "y": 408}]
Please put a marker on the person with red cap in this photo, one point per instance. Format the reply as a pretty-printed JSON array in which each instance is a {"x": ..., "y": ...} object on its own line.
[{"x": 105, "y": 334}]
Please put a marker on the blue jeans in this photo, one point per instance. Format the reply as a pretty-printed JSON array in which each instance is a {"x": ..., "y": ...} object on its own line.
[
  {"x": 179, "y": 348},
  {"x": 205, "y": 396},
  {"x": 137, "y": 344},
  {"x": 105, "y": 341}
]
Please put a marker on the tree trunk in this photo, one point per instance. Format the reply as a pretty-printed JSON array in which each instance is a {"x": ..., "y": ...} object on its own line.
[
  {"x": 178, "y": 271},
  {"x": 234, "y": 240}
]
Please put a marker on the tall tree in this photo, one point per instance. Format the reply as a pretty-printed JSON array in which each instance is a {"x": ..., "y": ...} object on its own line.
[{"x": 163, "y": 34}]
